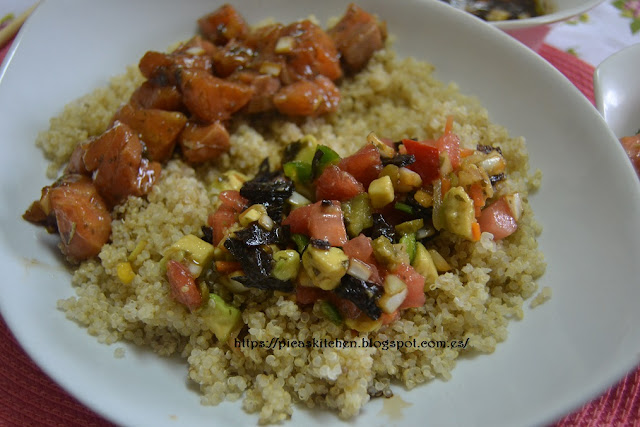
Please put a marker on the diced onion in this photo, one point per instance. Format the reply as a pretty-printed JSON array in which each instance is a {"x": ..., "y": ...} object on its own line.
[{"x": 359, "y": 269}]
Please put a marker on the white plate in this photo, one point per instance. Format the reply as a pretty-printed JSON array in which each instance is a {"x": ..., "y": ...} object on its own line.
[
  {"x": 563, "y": 353},
  {"x": 561, "y": 10},
  {"x": 617, "y": 90}
]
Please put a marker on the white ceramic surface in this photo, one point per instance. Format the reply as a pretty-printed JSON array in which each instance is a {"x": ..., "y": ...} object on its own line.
[
  {"x": 617, "y": 90},
  {"x": 562, "y": 354},
  {"x": 561, "y": 10}
]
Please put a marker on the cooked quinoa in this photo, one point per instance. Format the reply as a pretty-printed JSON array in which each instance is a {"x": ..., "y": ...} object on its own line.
[{"x": 396, "y": 98}]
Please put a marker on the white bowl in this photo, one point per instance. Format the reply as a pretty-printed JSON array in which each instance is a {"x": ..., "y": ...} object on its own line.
[
  {"x": 532, "y": 31},
  {"x": 617, "y": 90},
  {"x": 561, "y": 355}
]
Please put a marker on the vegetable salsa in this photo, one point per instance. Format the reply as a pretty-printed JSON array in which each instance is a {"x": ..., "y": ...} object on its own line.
[{"x": 353, "y": 232}]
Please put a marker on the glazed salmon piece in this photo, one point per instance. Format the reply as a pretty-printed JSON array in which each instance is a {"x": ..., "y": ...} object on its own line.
[
  {"x": 233, "y": 56},
  {"x": 357, "y": 36},
  {"x": 631, "y": 145},
  {"x": 201, "y": 143},
  {"x": 308, "y": 98},
  {"x": 115, "y": 158},
  {"x": 197, "y": 46},
  {"x": 158, "y": 129},
  {"x": 264, "y": 88},
  {"x": 73, "y": 206},
  {"x": 210, "y": 98},
  {"x": 223, "y": 24},
  {"x": 149, "y": 95},
  {"x": 160, "y": 68},
  {"x": 76, "y": 161},
  {"x": 309, "y": 51}
]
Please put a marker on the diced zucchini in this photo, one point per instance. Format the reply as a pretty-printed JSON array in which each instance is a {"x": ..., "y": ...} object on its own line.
[
  {"x": 409, "y": 243},
  {"x": 221, "y": 318},
  {"x": 286, "y": 264},
  {"x": 386, "y": 253},
  {"x": 358, "y": 214},
  {"x": 325, "y": 267},
  {"x": 301, "y": 242},
  {"x": 381, "y": 192},
  {"x": 323, "y": 157},
  {"x": 423, "y": 264},
  {"x": 458, "y": 212},
  {"x": 331, "y": 312},
  {"x": 409, "y": 227}
]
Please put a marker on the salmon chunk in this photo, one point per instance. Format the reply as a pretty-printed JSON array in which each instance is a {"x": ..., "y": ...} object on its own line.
[
  {"x": 358, "y": 35},
  {"x": 158, "y": 129},
  {"x": 115, "y": 158},
  {"x": 210, "y": 98},
  {"x": 201, "y": 143},
  {"x": 308, "y": 98},
  {"x": 73, "y": 207},
  {"x": 223, "y": 25}
]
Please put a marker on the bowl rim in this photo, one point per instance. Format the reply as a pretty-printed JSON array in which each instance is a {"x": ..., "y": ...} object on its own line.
[{"x": 549, "y": 18}]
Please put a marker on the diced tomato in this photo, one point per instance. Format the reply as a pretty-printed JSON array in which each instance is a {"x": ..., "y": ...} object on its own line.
[
  {"x": 336, "y": 184},
  {"x": 344, "y": 306},
  {"x": 450, "y": 143},
  {"x": 427, "y": 163},
  {"x": 309, "y": 294},
  {"x": 365, "y": 165},
  {"x": 415, "y": 286},
  {"x": 298, "y": 219},
  {"x": 360, "y": 248},
  {"x": 498, "y": 220},
  {"x": 232, "y": 204},
  {"x": 387, "y": 318},
  {"x": 183, "y": 286},
  {"x": 233, "y": 200},
  {"x": 327, "y": 223},
  {"x": 319, "y": 221}
]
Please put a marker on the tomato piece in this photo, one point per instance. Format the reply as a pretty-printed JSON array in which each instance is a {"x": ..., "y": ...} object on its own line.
[
  {"x": 183, "y": 285},
  {"x": 360, "y": 248},
  {"x": 365, "y": 165},
  {"x": 450, "y": 143},
  {"x": 497, "y": 219},
  {"x": 233, "y": 200},
  {"x": 327, "y": 223},
  {"x": 427, "y": 163},
  {"x": 220, "y": 221},
  {"x": 309, "y": 294},
  {"x": 386, "y": 318},
  {"x": 345, "y": 307},
  {"x": 336, "y": 184},
  {"x": 415, "y": 286},
  {"x": 298, "y": 220},
  {"x": 322, "y": 221}
]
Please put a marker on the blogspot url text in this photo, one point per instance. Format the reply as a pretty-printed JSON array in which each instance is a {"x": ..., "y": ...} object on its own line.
[{"x": 280, "y": 343}]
